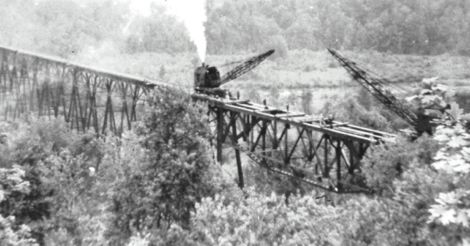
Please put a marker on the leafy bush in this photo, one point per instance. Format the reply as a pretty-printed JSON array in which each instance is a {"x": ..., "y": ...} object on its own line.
[
  {"x": 450, "y": 211},
  {"x": 385, "y": 163},
  {"x": 58, "y": 164},
  {"x": 400, "y": 217},
  {"x": 258, "y": 219},
  {"x": 174, "y": 169},
  {"x": 13, "y": 184},
  {"x": 29, "y": 149},
  {"x": 425, "y": 201}
]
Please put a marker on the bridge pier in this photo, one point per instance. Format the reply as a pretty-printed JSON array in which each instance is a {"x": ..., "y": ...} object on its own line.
[
  {"x": 237, "y": 151},
  {"x": 220, "y": 133}
]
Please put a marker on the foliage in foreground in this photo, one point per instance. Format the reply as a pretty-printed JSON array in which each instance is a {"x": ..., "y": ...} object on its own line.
[
  {"x": 159, "y": 186},
  {"x": 425, "y": 195},
  {"x": 12, "y": 183},
  {"x": 58, "y": 165},
  {"x": 93, "y": 191},
  {"x": 171, "y": 168},
  {"x": 416, "y": 204},
  {"x": 261, "y": 219}
]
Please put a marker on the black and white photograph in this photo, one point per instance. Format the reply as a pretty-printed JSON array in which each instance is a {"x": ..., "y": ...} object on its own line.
[{"x": 223, "y": 122}]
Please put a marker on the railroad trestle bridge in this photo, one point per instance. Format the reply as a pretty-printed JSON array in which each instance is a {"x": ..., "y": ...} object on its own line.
[
  {"x": 83, "y": 96},
  {"x": 320, "y": 152}
]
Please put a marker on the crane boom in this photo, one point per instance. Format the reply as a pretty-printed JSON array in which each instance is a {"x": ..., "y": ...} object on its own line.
[
  {"x": 245, "y": 67},
  {"x": 375, "y": 87}
]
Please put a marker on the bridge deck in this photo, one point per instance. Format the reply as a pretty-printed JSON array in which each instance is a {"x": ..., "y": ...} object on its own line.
[
  {"x": 54, "y": 60},
  {"x": 314, "y": 123}
]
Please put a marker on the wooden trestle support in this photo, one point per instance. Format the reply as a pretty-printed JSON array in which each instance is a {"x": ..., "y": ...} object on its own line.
[{"x": 322, "y": 153}]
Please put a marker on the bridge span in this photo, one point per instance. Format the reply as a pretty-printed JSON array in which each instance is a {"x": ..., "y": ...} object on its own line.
[
  {"x": 85, "y": 97},
  {"x": 320, "y": 152}
]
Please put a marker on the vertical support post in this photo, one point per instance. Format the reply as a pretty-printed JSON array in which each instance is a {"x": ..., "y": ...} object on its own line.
[
  {"x": 93, "y": 116},
  {"x": 237, "y": 151},
  {"x": 326, "y": 169},
  {"x": 34, "y": 93},
  {"x": 338, "y": 164},
  {"x": 108, "y": 113},
  {"x": 124, "y": 112},
  {"x": 352, "y": 164},
  {"x": 286, "y": 143},
  {"x": 263, "y": 140},
  {"x": 135, "y": 98},
  {"x": 274, "y": 126},
  {"x": 252, "y": 132},
  {"x": 246, "y": 124},
  {"x": 220, "y": 132}
]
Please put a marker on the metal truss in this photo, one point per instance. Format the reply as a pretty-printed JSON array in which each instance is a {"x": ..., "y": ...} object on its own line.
[
  {"x": 85, "y": 97},
  {"x": 320, "y": 152}
]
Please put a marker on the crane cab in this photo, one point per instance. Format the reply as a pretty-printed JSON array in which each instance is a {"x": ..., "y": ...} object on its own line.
[
  {"x": 207, "y": 81},
  {"x": 206, "y": 76}
]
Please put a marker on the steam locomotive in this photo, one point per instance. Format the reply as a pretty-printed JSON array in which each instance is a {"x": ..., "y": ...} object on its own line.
[{"x": 207, "y": 79}]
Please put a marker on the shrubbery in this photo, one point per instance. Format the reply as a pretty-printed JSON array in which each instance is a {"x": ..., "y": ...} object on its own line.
[
  {"x": 87, "y": 190},
  {"x": 173, "y": 168},
  {"x": 58, "y": 164},
  {"x": 13, "y": 184},
  {"x": 385, "y": 163},
  {"x": 264, "y": 219},
  {"x": 420, "y": 202},
  {"x": 158, "y": 185}
]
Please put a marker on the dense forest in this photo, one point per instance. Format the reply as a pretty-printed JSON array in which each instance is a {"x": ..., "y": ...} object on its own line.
[
  {"x": 403, "y": 26},
  {"x": 159, "y": 184}
]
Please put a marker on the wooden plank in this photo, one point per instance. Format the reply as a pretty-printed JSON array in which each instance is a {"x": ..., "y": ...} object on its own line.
[
  {"x": 238, "y": 101},
  {"x": 290, "y": 115},
  {"x": 368, "y": 130}
]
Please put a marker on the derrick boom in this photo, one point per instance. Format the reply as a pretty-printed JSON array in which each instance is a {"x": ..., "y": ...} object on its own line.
[
  {"x": 245, "y": 67},
  {"x": 374, "y": 86}
]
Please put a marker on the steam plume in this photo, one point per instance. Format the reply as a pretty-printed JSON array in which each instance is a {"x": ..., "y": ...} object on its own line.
[{"x": 193, "y": 14}]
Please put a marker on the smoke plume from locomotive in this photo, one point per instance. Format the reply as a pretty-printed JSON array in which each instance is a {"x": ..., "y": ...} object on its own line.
[{"x": 193, "y": 14}]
